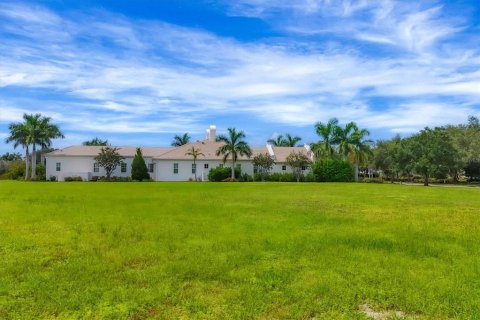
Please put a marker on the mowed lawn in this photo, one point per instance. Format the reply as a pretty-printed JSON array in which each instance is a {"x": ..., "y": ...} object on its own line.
[{"x": 237, "y": 250}]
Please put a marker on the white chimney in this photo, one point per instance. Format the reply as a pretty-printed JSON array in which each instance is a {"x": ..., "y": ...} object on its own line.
[
  {"x": 207, "y": 134},
  {"x": 212, "y": 133}
]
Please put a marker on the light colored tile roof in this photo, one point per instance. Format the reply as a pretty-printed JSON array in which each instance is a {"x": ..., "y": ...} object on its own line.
[
  {"x": 208, "y": 148},
  {"x": 281, "y": 153},
  {"x": 95, "y": 150}
]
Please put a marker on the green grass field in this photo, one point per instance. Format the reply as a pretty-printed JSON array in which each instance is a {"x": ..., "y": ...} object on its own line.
[{"x": 237, "y": 251}]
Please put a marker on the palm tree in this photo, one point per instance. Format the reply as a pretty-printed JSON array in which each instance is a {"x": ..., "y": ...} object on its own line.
[
  {"x": 234, "y": 146},
  {"x": 19, "y": 137},
  {"x": 195, "y": 153},
  {"x": 327, "y": 133},
  {"x": 278, "y": 142},
  {"x": 96, "y": 142},
  {"x": 291, "y": 141},
  {"x": 180, "y": 140},
  {"x": 40, "y": 132},
  {"x": 352, "y": 144}
]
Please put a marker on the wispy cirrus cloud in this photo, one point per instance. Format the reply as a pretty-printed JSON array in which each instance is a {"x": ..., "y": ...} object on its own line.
[{"x": 96, "y": 71}]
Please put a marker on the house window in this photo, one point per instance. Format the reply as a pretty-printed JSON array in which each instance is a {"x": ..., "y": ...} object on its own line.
[
  {"x": 175, "y": 168},
  {"x": 284, "y": 168},
  {"x": 58, "y": 166},
  {"x": 255, "y": 168},
  {"x": 123, "y": 167},
  {"x": 239, "y": 166},
  {"x": 151, "y": 167},
  {"x": 194, "y": 167},
  {"x": 220, "y": 165},
  {"x": 96, "y": 167},
  {"x": 205, "y": 166},
  {"x": 304, "y": 168}
]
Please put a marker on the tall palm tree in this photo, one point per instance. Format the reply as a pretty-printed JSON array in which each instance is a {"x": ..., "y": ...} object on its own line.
[
  {"x": 234, "y": 146},
  {"x": 180, "y": 140},
  {"x": 327, "y": 132},
  {"x": 277, "y": 142},
  {"x": 291, "y": 141},
  {"x": 19, "y": 137},
  {"x": 195, "y": 153},
  {"x": 353, "y": 145},
  {"x": 40, "y": 132}
]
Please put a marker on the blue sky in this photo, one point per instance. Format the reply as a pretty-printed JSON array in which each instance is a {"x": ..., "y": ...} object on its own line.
[{"x": 138, "y": 72}]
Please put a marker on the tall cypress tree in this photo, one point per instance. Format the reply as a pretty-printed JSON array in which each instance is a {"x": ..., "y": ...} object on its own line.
[{"x": 139, "y": 168}]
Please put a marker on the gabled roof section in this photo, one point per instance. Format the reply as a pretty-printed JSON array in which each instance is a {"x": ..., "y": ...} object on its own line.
[
  {"x": 281, "y": 153},
  {"x": 208, "y": 148},
  {"x": 91, "y": 151}
]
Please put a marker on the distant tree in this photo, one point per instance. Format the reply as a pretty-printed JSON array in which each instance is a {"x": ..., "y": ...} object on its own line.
[
  {"x": 109, "y": 159},
  {"x": 40, "y": 132},
  {"x": 96, "y": 142},
  {"x": 432, "y": 153},
  {"x": 284, "y": 141},
  {"x": 472, "y": 170},
  {"x": 352, "y": 144},
  {"x": 327, "y": 132},
  {"x": 296, "y": 161},
  {"x": 194, "y": 153},
  {"x": 264, "y": 163},
  {"x": 180, "y": 140},
  {"x": 139, "y": 167},
  {"x": 11, "y": 157},
  {"x": 279, "y": 141},
  {"x": 233, "y": 146},
  {"x": 291, "y": 141},
  {"x": 20, "y": 137}
]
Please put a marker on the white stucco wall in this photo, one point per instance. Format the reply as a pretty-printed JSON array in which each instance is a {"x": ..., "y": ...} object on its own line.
[
  {"x": 163, "y": 169},
  {"x": 83, "y": 166}
]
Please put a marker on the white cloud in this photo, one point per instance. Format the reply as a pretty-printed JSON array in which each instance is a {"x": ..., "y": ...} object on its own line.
[{"x": 113, "y": 75}]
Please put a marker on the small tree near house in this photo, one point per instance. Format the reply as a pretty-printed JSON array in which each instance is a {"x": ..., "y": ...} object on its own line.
[
  {"x": 109, "y": 159},
  {"x": 298, "y": 160},
  {"x": 139, "y": 168},
  {"x": 264, "y": 163}
]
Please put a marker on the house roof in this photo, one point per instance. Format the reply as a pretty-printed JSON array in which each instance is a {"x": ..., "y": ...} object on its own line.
[
  {"x": 208, "y": 148},
  {"x": 92, "y": 151}
]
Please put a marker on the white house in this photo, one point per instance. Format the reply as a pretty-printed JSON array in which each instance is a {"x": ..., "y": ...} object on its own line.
[{"x": 164, "y": 163}]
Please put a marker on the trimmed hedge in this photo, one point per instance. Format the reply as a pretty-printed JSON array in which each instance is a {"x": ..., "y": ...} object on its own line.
[
  {"x": 329, "y": 170},
  {"x": 219, "y": 174}
]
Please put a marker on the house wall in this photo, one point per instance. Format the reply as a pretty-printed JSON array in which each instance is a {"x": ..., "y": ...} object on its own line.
[
  {"x": 163, "y": 169},
  {"x": 82, "y": 166}
]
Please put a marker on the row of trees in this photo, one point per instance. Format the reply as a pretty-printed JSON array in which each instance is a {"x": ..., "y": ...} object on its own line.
[
  {"x": 286, "y": 140},
  {"x": 441, "y": 152}
]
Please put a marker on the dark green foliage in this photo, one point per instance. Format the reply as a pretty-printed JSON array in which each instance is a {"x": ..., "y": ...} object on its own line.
[
  {"x": 432, "y": 153},
  {"x": 218, "y": 174},
  {"x": 11, "y": 157},
  {"x": 472, "y": 170},
  {"x": 14, "y": 170},
  {"x": 331, "y": 170},
  {"x": 96, "y": 142},
  {"x": 263, "y": 163},
  {"x": 41, "y": 172},
  {"x": 73, "y": 179},
  {"x": 139, "y": 168}
]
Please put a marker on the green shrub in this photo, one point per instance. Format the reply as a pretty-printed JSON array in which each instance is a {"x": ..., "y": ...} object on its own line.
[
  {"x": 41, "y": 172},
  {"x": 139, "y": 168},
  {"x": 331, "y": 170},
  {"x": 218, "y": 174},
  {"x": 310, "y": 177},
  {"x": 73, "y": 179},
  {"x": 53, "y": 178},
  {"x": 15, "y": 171},
  {"x": 372, "y": 180},
  {"x": 281, "y": 177}
]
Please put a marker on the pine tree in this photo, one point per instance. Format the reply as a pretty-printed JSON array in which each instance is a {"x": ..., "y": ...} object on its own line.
[{"x": 139, "y": 168}]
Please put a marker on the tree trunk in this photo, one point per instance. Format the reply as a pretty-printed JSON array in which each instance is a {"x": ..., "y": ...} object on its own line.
[
  {"x": 233, "y": 169},
  {"x": 195, "y": 166},
  {"x": 34, "y": 162},
  {"x": 425, "y": 182},
  {"x": 26, "y": 163}
]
